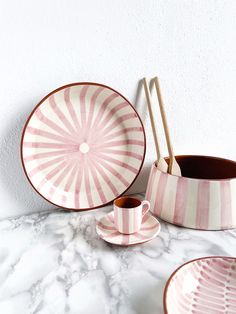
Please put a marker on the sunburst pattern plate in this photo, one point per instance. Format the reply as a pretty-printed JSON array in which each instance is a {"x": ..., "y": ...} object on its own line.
[{"x": 83, "y": 146}]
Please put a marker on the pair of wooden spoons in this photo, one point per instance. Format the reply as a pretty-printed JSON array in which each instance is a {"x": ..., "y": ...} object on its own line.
[{"x": 173, "y": 167}]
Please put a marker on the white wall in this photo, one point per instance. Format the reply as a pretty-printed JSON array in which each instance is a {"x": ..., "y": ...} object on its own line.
[{"x": 191, "y": 45}]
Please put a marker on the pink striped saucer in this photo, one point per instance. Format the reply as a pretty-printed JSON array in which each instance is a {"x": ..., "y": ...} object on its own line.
[
  {"x": 105, "y": 228},
  {"x": 205, "y": 285},
  {"x": 83, "y": 146}
]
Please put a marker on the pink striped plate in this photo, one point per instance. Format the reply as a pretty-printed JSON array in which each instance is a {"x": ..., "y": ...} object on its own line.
[
  {"x": 205, "y": 285},
  {"x": 83, "y": 146},
  {"x": 106, "y": 230}
]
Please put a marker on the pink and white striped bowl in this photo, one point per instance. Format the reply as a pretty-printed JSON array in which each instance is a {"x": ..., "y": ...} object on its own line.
[
  {"x": 203, "y": 198},
  {"x": 202, "y": 286}
]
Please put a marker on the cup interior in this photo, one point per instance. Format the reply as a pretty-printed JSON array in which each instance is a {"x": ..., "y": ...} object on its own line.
[
  {"x": 127, "y": 202},
  {"x": 206, "y": 167}
]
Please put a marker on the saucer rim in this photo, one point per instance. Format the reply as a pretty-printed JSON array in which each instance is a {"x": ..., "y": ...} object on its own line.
[{"x": 131, "y": 244}]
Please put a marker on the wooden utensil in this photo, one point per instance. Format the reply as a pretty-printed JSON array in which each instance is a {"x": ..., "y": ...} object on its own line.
[
  {"x": 160, "y": 162},
  {"x": 173, "y": 167}
]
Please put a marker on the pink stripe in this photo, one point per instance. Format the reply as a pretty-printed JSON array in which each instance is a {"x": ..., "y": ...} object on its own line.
[
  {"x": 230, "y": 307},
  {"x": 146, "y": 217},
  {"x": 112, "y": 235},
  {"x": 51, "y": 124},
  {"x": 49, "y": 135},
  {"x": 97, "y": 183},
  {"x": 231, "y": 289},
  {"x": 209, "y": 277},
  {"x": 110, "y": 217},
  {"x": 180, "y": 201},
  {"x": 114, "y": 172},
  {"x": 63, "y": 174},
  {"x": 78, "y": 184},
  {"x": 150, "y": 228},
  {"x": 71, "y": 109},
  {"x": 212, "y": 299},
  {"x": 48, "y": 154},
  {"x": 50, "y": 193},
  {"x": 61, "y": 115},
  {"x": 232, "y": 300},
  {"x": 103, "y": 107},
  {"x": 118, "y": 121},
  {"x": 116, "y": 162},
  {"x": 137, "y": 219},
  {"x": 56, "y": 170},
  {"x": 83, "y": 107},
  {"x": 106, "y": 227},
  {"x": 212, "y": 307},
  {"x": 226, "y": 210},
  {"x": 111, "y": 127},
  {"x": 160, "y": 194},
  {"x": 205, "y": 309},
  {"x": 49, "y": 145},
  {"x": 212, "y": 272},
  {"x": 202, "y": 217},
  {"x": 122, "y": 153},
  {"x": 45, "y": 165},
  {"x": 125, "y": 221},
  {"x": 121, "y": 132},
  {"x": 118, "y": 143},
  {"x": 91, "y": 111},
  {"x": 111, "y": 113},
  {"x": 71, "y": 178},
  {"x": 106, "y": 178},
  {"x": 87, "y": 184},
  {"x": 150, "y": 184},
  {"x": 140, "y": 236},
  {"x": 125, "y": 239}
]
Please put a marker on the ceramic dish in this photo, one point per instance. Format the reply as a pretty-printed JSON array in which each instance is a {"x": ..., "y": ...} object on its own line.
[
  {"x": 204, "y": 197},
  {"x": 106, "y": 230},
  {"x": 202, "y": 286},
  {"x": 83, "y": 146}
]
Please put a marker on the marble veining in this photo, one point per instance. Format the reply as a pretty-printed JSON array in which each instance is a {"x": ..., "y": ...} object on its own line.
[{"x": 55, "y": 263}]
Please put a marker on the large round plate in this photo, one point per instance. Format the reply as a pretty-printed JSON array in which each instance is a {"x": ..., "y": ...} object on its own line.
[
  {"x": 83, "y": 146},
  {"x": 205, "y": 285}
]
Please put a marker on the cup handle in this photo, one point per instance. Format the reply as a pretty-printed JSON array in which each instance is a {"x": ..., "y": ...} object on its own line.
[{"x": 146, "y": 207}]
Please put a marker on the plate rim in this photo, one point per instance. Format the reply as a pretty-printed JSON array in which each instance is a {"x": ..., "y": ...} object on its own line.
[
  {"x": 33, "y": 111},
  {"x": 126, "y": 245},
  {"x": 183, "y": 265}
]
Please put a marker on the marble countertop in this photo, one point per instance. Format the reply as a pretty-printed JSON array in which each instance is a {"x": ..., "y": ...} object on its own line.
[{"x": 54, "y": 263}]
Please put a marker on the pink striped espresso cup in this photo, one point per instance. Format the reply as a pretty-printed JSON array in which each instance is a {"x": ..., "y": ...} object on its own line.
[{"x": 128, "y": 214}]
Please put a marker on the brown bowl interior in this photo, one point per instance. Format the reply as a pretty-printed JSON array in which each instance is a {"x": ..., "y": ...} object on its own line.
[{"x": 206, "y": 167}]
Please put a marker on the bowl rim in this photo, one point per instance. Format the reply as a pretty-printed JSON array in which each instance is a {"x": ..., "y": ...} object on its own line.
[
  {"x": 183, "y": 265},
  {"x": 196, "y": 179}
]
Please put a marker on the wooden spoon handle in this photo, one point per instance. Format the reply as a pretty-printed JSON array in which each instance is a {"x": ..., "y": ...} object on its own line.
[
  {"x": 161, "y": 163},
  {"x": 154, "y": 131},
  {"x": 173, "y": 165}
]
